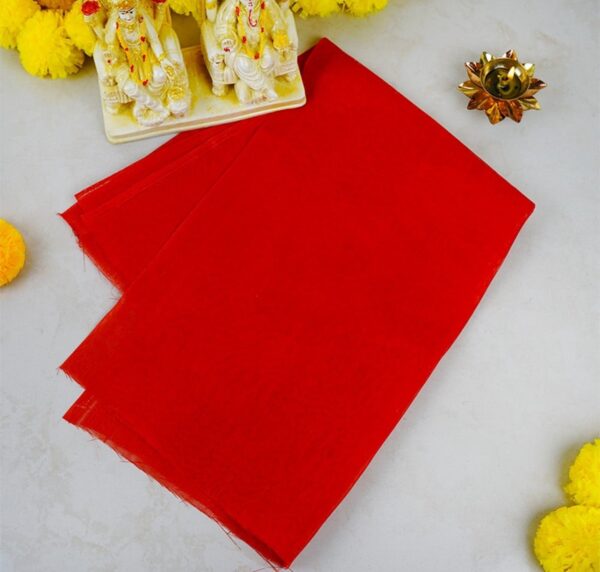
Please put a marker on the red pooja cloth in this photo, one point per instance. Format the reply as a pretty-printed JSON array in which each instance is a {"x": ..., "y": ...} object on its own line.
[{"x": 289, "y": 284}]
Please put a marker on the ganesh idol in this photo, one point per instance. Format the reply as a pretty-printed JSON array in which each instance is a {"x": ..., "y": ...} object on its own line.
[{"x": 255, "y": 44}]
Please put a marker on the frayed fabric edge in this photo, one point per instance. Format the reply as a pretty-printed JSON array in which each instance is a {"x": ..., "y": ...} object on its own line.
[{"x": 79, "y": 415}]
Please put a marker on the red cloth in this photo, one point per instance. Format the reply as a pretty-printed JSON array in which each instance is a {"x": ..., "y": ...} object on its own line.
[{"x": 289, "y": 285}]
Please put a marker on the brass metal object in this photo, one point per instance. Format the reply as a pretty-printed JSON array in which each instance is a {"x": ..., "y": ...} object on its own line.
[{"x": 502, "y": 87}]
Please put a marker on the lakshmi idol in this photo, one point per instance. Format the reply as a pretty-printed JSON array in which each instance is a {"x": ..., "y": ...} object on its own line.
[{"x": 139, "y": 59}]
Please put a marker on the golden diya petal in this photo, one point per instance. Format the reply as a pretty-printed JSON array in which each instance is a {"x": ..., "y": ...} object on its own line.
[
  {"x": 474, "y": 72},
  {"x": 530, "y": 69},
  {"x": 515, "y": 111},
  {"x": 503, "y": 108},
  {"x": 511, "y": 55},
  {"x": 537, "y": 83},
  {"x": 487, "y": 103},
  {"x": 473, "y": 103},
  {"x": 534, "y": 86},
  {"x": 529, "y": 103},
  {"x": 480, "y": 100},
  {"x": 469, "y": 88},
  {"x": 494, "y": 114},
  {"x": 486, "y": 57},
  {"x": 475, "y": 67}
]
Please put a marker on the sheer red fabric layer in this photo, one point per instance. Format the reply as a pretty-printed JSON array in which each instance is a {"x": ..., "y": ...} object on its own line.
[{"x": 289, "y": 284}]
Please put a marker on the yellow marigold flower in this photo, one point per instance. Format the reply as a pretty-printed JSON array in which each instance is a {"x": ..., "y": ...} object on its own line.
[
  {"x": 13, "y": 15},
  {"x": 57, "y": 4},
  {"x": 12, "y": 252},
  {"x": 364, "y": 7},
  {"x": 78, "y": 29},
  {"x": 45, "y": 48},
  {"x": 568, "y": 540},
  {"x": 321, "y": 8},
  {"x": 584, "y": 476}
]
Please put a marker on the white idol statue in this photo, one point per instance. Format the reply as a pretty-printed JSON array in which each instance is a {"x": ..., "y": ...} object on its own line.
[
  {"x": 139, "y": 59},
  {"x": 248, "y": 43}
]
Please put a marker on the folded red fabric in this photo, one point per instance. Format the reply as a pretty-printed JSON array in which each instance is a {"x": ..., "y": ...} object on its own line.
[
  {"x": 289, "y": 285},
  {"x": 106, "y": 217}
]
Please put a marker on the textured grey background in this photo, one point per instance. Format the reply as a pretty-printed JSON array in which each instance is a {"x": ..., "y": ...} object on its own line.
[{"x": 479, "y": 456}]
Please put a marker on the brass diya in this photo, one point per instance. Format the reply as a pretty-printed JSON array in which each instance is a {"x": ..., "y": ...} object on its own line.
[{"x": 502, "y": 87}]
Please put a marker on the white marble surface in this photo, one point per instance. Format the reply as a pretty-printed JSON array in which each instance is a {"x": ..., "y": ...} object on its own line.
[{"x": 481, "y": 453}]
